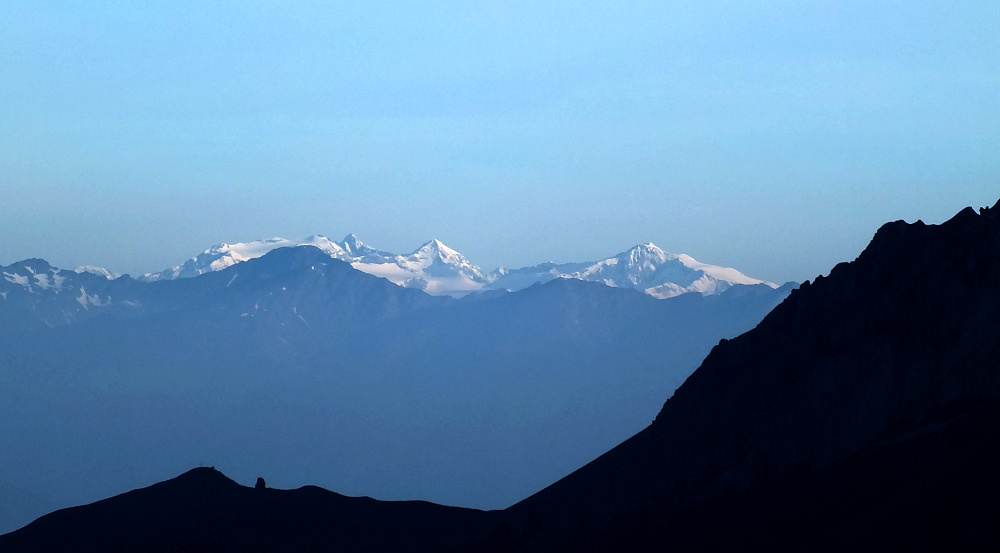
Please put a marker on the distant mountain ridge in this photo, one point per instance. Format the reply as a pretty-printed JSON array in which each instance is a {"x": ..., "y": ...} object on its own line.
[
  {"x": 299, "y": 365},
  {"x": 645, "y": 268},
  {"x": 439, "y": 270},
  {"x": 44, "y": 295}
]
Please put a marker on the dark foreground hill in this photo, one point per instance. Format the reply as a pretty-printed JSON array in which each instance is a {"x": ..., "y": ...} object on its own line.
[
  {"x": 204, "y": 511},
  {"x": 862, "y": 413}
]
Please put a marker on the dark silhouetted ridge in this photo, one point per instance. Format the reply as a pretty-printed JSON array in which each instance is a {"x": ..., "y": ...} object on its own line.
[
  {"x": 203, "y": 510},
  {"x": 802, "y": 407}
]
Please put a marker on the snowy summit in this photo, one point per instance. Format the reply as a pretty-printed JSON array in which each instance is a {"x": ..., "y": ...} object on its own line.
[{"x": 439, "y": 270}]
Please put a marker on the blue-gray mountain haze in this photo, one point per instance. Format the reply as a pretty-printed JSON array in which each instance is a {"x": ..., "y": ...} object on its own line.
[{"x": 296, "y": 366}]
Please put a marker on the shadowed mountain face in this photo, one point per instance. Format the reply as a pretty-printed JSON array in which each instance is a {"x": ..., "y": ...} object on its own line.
[
  {"x": 862, "y": 413},
  {"x": 887, "y": 366}
]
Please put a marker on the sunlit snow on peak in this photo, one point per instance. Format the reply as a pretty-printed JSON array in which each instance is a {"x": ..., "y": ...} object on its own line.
[{"x": 440, "y": 270}]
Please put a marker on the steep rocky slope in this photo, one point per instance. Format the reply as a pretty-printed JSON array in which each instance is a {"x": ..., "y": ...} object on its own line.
[{"x": 889, "y": 349}]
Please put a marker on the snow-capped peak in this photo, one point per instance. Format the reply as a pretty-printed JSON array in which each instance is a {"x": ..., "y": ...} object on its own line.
[
  {"x": 333, "y": 249},
  {"x": 99, "y": 271},
  {"x": 441, "y": 270},
  {"x": 358, "y": 249},
  {"x": 650, "y": 248},
  {"x": 218, "y": 257},
  {"x": 353, "y": 243},
  {"x": 435, "y": 248},
  {"x": 433, "y": 267},
  {"x": 645, "y": 267}
]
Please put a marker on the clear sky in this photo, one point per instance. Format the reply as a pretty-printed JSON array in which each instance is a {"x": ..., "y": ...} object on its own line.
[{"x": 773, "y": 136}]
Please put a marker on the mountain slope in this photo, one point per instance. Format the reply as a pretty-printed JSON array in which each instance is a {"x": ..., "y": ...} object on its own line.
[{"x": 891, "y": 348}]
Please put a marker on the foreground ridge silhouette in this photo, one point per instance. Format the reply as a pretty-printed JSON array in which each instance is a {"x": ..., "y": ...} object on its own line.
[
  {"x": 863, "y": 409},
  {"x": 203, "y": 510},
  {"x": 861, "y": 413}
]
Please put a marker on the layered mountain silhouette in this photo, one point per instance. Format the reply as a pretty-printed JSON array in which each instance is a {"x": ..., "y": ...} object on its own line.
[
  {"x": 298, "y": 366},
  {"x": 863, "y": 412}
]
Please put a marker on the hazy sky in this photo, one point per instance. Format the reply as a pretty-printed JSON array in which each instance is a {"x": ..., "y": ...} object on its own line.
[{"x": 775, "y": 139}]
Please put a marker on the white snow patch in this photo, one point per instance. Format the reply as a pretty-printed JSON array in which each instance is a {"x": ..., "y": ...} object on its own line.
[
  {"x": 721, "y": 273},
  {"x": 82, "y": 300},
  {"x": 42, "y": 281},
  {"x": 99, "y": 271},
  {"x": 17, "y": 279},
  {"x": 86, "y": 300}
]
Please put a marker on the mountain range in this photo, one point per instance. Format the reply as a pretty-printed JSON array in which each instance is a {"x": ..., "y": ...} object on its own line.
[
  {"x": 297, "y": 364},
  {"x": 439, "y": 270},
  {"x": 863, "y": 412}
]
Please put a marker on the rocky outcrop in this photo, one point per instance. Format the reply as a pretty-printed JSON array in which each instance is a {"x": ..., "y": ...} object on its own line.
[{"x": 895, "y": 345}]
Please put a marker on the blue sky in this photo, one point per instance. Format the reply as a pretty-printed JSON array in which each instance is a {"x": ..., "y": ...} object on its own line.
[{"x": 772, "y": 138}]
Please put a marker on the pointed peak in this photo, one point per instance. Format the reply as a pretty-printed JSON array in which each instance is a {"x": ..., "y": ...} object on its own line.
[
  {"x": 355, "y": 246},
  {"x": 648, "y": 250},
  {"x": 435, "y": 246},
  {"x": 432, "y": 245},
  {"x": 353, "y": 242},
  {"x": 648, "y": 246}
]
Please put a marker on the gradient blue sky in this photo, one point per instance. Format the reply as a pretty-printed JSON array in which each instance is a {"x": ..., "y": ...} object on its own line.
[{"x": 775, "y": 138}]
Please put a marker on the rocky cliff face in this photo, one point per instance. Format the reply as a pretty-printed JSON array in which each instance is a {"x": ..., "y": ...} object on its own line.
[
  {"x": 873, "y": 349},
  {"x": 899, "y": 344}
]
